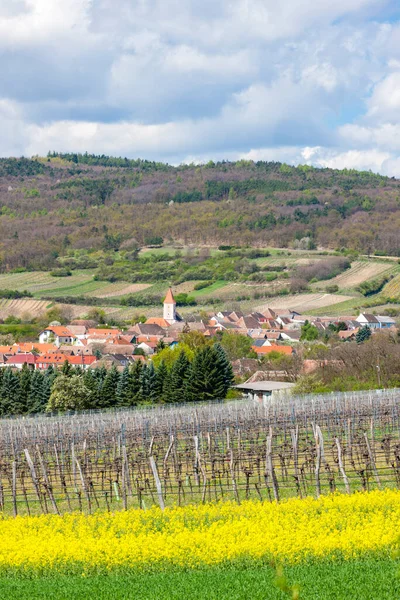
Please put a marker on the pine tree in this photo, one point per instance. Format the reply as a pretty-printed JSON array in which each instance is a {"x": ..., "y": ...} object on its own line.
[
  {"x": 92, "y": 384},
  {"x": 136, "y": 381},
  {"x": 161, "y": 383},
  {"x": 36, "y": 395},
  {"x": 124, "y": 391},
  {"x": 46, "y": 390},
  {"x": 176, "y": 390},
  {"x": 108, "y": 392},
  {"x": 10, "y": 394},
  {"x": 363, "y": 334},
  {"x": 67, "y": 369},
  {"x": 25, "y": 386},
  {"x": 226, "y": 367},
  {"x": 148, "y": 383},
  {"x": 206, "y": 380}
]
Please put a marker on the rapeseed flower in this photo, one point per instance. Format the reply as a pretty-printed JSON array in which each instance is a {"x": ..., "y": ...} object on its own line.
[{"x": 204, "y": 535}]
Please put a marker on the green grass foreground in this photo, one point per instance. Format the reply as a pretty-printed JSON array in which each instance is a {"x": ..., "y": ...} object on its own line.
[{"x": 372, "y": 579}]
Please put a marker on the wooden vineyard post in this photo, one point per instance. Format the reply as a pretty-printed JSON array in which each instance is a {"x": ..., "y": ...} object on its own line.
[
  {"x": 33, "y": 475},
  {"x": 372, "y": 461},
  {"x": 158, "y": 482},
  {"x": 320, "y": 457},
  {"x": 14, "y": 487},
  {"x": 84, "y": 487},
  {"x": 295, "y": 444},
  {"x": 341, "y": 467},
  {"x": 270, "y": 467},
  {"x": 125, "y": 477},
  {"x": 47, "y": 482},
  {"x": 62, "y": 478},
  {"x": 317, "y": 464},
  {"x": 200, "y": 468},
  {"x": 232, "y": 470}
]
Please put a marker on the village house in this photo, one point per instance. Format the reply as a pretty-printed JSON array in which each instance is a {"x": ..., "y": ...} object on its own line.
[
  {"x": 57, "y": 334},
  {"x": 375, "y": 321}
]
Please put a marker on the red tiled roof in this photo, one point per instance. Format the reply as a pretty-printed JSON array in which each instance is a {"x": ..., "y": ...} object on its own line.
[
  {"x": 20, "y": 359},
  {"x": 158, "y": 321},
  {"x": 112, "y": 332},
  {"x": 169, "y": 298},
  {"x": 59, "y": 331},
  {"x": 273, "y": 348}
]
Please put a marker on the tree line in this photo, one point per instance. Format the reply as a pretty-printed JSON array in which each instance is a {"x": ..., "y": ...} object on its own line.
[{"x": 206, "y": 376}]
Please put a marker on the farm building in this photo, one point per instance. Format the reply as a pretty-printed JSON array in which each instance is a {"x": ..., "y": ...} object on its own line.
[{"x": 261, "y": 390}]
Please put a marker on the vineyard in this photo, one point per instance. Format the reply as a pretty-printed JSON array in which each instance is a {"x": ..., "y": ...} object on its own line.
[
  {"x": 359, "y": 272},
  {"x": 293, "y": 446}
]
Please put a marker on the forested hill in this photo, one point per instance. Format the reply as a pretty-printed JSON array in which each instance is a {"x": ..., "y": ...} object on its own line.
[{"x": 52, "y": 206}]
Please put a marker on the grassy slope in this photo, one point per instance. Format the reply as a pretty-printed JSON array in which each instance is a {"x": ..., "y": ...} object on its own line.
[
  {"x": 353, "y": 580},
  {"x": 82, "y": 283}
]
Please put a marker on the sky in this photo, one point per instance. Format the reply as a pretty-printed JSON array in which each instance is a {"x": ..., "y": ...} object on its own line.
[{"x": 298, "y": 81}]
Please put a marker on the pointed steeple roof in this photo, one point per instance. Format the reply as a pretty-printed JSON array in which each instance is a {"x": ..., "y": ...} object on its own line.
[{"x": 169, "y": 298}]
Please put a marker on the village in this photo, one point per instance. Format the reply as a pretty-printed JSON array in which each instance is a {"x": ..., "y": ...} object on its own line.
[{"x": 272, "y": 333}]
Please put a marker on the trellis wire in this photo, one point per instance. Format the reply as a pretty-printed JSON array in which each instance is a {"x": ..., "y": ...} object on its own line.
[{"x": 165, "y": 455}]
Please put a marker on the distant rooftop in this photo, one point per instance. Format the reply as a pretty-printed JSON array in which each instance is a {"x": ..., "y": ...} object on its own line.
[{"x": 265, "y": 386}]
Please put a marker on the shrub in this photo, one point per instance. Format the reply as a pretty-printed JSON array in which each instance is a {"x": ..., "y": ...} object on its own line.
[
  {"x": 332, "y": 289},
  {"x": 203, "y": 284},
  {"x": 367, "y": 288},
  {"x": 61, "y": 273},
  {"x": 324, "y": 269}
]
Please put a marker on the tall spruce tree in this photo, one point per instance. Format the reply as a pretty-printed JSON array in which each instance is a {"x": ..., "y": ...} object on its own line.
[
  {"x": 11, "y": 394},
  {"x": 135, "y": 382},
  {"x": 124, "y": 391},
  {"x": 148, "y": 382},
  {"x": 36, "y": 395},
  {"x": 206, "y": 379},
  {"x": 92, "y": 384},
  {"x": 25, "y": 385},
  {"x": 67, "y": 369},
  {"x": 161, "y": 383},
  {"x": 108, "y": 393},
  {"x": 176, "y": 388},
  {"x": 226, "y": 367}
]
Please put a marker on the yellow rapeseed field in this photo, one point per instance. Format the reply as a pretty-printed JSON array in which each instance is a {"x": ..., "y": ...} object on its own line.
[{"x": 293, "y": 530}]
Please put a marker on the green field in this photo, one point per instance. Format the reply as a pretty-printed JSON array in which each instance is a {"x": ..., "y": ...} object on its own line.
[
  {"x": 369, "y": 579},
  {"x": 249, "y": 294}
]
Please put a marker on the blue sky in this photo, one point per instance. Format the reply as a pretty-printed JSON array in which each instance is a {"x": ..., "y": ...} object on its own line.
[{"x": 180, "y": 81}]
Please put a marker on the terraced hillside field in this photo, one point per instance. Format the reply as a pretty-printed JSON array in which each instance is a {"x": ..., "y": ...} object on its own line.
[
  {"x": 392, "y": 288},
  {"x": 80, "y": 283},
  {"x": 303, "y": 302},
  {"x": 359, "y": 272}
]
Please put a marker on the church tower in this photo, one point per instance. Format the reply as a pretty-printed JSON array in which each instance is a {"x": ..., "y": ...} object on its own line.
[{"x": 170, "y": 307}]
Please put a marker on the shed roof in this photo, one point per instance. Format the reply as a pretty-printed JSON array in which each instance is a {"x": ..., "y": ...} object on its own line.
[{"x": 265, "y": 386}]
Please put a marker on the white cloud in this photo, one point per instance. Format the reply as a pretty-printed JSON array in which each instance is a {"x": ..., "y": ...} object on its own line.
[
  {"x": 384, "y": 104},
  {"x": 290, "y": 80}
]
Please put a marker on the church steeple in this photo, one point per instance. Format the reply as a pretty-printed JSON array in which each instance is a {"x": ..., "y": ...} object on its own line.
[{"x": 169, "y": 306}]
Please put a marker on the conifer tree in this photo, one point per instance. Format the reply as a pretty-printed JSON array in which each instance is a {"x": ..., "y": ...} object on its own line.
[
  {"x": 67, "y": 369},
  {"x": 148, "y": 381},
  {"x": 226, "y": 367},
  {"x": 46, "y": 390},
  {"x": 25, "y": 386},
  {"x": 161, "y": 383},
  {"x": 363, "y": 334},
  {"x": 135, "y": 382},
  {"x": 124, "y": 391},
  {"x": 36, "y": 395},
  {"x": 108, "y": 392},
  {"x": 10, "y": 393},
  {"x": 92, "y": 384},
  {"x": 206, "y": 380},
  {"x": 176, "y": 389}
]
